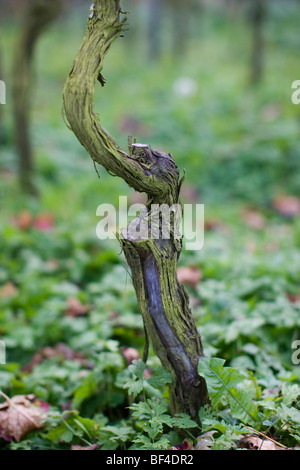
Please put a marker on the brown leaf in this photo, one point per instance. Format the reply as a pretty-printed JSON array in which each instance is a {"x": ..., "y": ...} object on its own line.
[
  {"x": 205, "y": 441},
  {"x": 8, "y": 290},
  {"x": 189, "y": 275},
  {"x": 254, "y": 219},
  {"x": 52, "y": 264},
  {"x": 92, "y": 447},
  {"x": 23, "y": 220},
  {"x": 213, "y": 224},
  {"x": 269, "y": 247},
  {"x": 288, "y": 206},
  {"x": 270, "y": 112},
  {"x": 37, "y": 359},
  {"x": 148, "y": 373},
  {"x": 293, "y": 297},
  {"x": 44, "y": 222},
  {"x": 129, "y": 124},
  {"x": 20, "y": 415},
  {"x": 189, "y": 194},
  {"x": 256, "y": 443},
  {"x": 250, "y": 246},
  {"x": 137, "y": 198},
  {"x": 130, "y": 354},
  {"x": 185, "y": 445},
  {"x": 75, "y": 308},
  {"x": 61, "y": 350}
]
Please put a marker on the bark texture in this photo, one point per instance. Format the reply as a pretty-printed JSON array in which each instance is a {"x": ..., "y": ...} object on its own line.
[
  {"x": 162, "y": 300},
  {"x": 39, "y": 14},
  {"x": 2, "y": 132},
  {"x": 258, "y": 17},
  {"x": 155, "y": 15}
]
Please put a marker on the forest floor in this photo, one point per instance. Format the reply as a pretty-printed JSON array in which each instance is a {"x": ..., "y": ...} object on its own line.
[{"x": 68, "y": 313}]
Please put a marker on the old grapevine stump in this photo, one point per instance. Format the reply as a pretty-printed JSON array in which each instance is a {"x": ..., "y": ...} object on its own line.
[{"x": 162, "y": 300}]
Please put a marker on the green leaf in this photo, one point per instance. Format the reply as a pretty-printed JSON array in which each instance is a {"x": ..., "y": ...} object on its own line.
[
  {"x": 228, "y": 382},
  {"x": 290, "y": 393},
  {"x": 136, "y": 384},
  {"x": 113, "y": 436},
  {"x": 183, "y": 421},
  {"x": 151, "y": 386},
  {"x": 290, "y": 415},
  {"x": 135, "y": 387},
  {"x": 160, "y": 378},
  {"x": 85, "y": 390},
  {"x": 153, "y": 427},
  {"x": 141, "y": 410},
  {"x": 147, "y": 444}
]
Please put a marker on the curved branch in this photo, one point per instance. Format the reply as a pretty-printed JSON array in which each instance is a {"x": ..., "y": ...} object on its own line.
[
  {"x": 141, "y": 169},
  {"x": 163, "y": 302}
]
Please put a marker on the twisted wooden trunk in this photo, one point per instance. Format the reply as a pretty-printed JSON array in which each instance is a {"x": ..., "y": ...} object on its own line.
[{"x": 153, "y": 261}]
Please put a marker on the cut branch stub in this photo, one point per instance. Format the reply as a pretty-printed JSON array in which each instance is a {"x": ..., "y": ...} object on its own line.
[{"x": 153, "y": 260}]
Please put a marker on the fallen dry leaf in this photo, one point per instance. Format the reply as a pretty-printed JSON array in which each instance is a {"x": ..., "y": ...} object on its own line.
[
  {"x": 129, "y": 124},
  {"x": 52, "y": 264},
  {"x": 194, "y": 302},
  {"x": 92, "y": 447},
  {"x": 250, "y": 247},
  {"x": 189, "y": 194},
  {"x": 205, "y": 441},
  {"x": 293, "y": 297},
  {"x": 75, "y": 308},
  {"x": 269, "y": 247},
  {"x": 23, "y": 220},
  {"x": 148, "y": 373},
  {"x": 254, "y": 219},
  {"x": 214, "y": 224},
  {"x": 256, "y": 443},
  {"x": 185, "y": 445},
  {"x": 129, "y": 354},
  {"x": 270, "y": 112},
  {"x": 60, "y": 350},
  {"x": 8, "y": 290},
  {"x": 44, "y": 222},
  {"x": 137, "y": 198},
  {"x": 189, "y": 275},
  {"x": 288, "y": 206},
  {"x": 20, "y": 415}
]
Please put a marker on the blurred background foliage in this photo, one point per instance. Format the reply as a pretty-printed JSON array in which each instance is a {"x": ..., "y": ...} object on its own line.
[
  {"x": 183, "y": 80},
  {"x": 188, "y": 93}
]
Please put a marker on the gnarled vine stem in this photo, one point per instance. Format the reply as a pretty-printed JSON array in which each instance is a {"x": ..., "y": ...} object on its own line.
[{"x": 162, "y": 300}]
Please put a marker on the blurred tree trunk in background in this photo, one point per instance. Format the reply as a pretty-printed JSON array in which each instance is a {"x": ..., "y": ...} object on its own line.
[
  {"x": 38, "y": 14},
  {"x": 257, "y": 17},
  {"x": 2, "y": 133},
  {"x": 181, "y": 14},
  {"x": 185, "y": 18},
  {"x": 235, "y": 7},
  {"x": 154, "y": 28}
]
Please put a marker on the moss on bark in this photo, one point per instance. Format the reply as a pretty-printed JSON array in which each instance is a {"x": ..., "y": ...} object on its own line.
[{"x": 162, "y": 300}]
